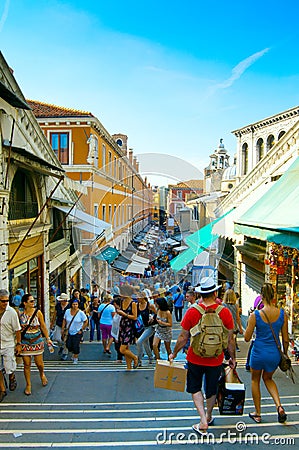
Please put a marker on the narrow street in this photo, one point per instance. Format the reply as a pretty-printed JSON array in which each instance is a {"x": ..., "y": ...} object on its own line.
[{"x": 97, "y": 404}]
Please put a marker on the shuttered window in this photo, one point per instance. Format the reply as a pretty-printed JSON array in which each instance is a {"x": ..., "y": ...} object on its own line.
[{"x": 254, "y": 278}]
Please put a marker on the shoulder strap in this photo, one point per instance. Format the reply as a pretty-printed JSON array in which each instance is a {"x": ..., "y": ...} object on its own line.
[
  {"x": 100, "y": 315},
  {"x": 199, "y": 308},
  {"x": 219, "y": 309},
  {"x": 278, "y": 346},
  {"x": 72, "y": 320},
  {"x": 29, "y": 323}
]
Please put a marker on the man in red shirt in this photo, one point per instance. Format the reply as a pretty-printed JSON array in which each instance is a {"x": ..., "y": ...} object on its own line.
[{"x": 199, "y": 366}]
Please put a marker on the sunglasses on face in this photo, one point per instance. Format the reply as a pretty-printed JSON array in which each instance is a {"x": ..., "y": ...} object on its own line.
[{"x": 4, "y": 301}]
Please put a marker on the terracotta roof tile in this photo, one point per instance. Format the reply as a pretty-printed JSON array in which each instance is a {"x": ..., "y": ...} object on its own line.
[
  {"x": 43, "y": 110},
  {"x": 190, "y": 184}
]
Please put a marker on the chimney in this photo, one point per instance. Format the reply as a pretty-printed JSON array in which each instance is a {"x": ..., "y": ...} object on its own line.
[
  {"x": 131, "y": 156},
  {"x": 135, "y": 163}
]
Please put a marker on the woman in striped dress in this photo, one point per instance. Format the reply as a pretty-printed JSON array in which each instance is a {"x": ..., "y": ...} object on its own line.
[{"x": 32, "y": 340}]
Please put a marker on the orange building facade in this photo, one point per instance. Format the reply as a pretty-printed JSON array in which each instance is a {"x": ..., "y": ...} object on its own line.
[{"x": 118, "y": 198}]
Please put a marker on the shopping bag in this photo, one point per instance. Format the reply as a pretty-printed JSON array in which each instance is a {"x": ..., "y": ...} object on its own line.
[
  {"x": 115, "y": 326},
  {"x": 170, "y": 376},
  {"x": 231, "y": 393}
]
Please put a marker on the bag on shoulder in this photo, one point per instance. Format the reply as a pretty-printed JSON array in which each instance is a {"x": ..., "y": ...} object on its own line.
[
  {"x": 139, "y": 325},
  {"x": 209, "y": 337},
  {"x": 68, "y": 341},
  {"x": 285, "y": 363}
]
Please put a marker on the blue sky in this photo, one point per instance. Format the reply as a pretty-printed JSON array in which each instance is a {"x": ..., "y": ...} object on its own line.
[{"x": 175, "y": 76}]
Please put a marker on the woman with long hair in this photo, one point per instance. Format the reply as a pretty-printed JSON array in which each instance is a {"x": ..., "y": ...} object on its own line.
[
  {"x": 164, "y": 328},
  {"x": 147, "y": 312},
  {"x": 32, "y": 341},
  {"x": 265, "y": 356},
  {"x": 230, "y": 302},
  {"x": 128, "y": 313}
]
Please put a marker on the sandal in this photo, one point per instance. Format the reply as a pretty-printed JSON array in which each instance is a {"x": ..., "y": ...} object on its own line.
[
  {"x": 135, "y": 363},
  {"x": 282, "y": 417},
  {"x": 44, "y": 380},
  {"x": 27, "y": 392},
  {"x": 201, "y": 431},
  {"x": 255, "y": 417},
  {"x": 12, "y": 382},
  {"x": 2, "y": 395}
]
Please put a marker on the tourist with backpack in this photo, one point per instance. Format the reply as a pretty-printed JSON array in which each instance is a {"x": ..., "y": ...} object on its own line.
[{"x": 210, "y": 329}]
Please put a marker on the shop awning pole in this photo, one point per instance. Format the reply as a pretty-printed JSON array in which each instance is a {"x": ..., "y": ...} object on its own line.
[{"x": 35, "y": 220}]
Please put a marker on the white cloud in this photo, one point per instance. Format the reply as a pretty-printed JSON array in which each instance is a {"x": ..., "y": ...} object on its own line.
[
  {"x": 4, "y": 14},
  {"x": 240, "y": 68}
]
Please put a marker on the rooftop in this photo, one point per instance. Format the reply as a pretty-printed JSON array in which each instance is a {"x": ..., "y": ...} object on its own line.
[
  {"x": 189, "y": 184},
  {"x": 46, "y": 110}
]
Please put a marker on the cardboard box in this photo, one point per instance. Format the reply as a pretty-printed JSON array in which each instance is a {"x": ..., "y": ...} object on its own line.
[{"x": 170, "y": 375}]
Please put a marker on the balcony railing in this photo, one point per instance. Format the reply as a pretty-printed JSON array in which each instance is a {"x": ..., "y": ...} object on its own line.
[{"x": 22, "y": 210}]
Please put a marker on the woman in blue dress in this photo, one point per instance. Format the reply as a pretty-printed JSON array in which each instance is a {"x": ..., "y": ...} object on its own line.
[{"x": 265, "y": 356}]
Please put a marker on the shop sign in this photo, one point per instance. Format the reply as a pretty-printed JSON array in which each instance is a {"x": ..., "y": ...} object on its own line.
[{"x": 108, "y": 254}]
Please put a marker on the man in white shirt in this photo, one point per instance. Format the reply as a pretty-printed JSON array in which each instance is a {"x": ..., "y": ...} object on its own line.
[{"x": 10, "y": 330}]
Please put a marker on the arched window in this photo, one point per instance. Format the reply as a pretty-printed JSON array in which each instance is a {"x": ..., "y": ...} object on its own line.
[
  {"x": 281, "y": 134},
  {"x": 270, "y": 142},
  {"x": 259, "y": 149},
  {"x": 244, "y": 158},
  {"x": 22, "y": 200}
]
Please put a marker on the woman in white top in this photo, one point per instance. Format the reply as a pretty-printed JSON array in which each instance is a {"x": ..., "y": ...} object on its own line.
[
  {"x": 106, "y": 312},
  {"x": 74, "y": 322}
]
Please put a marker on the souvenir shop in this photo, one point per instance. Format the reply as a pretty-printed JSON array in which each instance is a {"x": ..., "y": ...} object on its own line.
[{"x": 283, "y": 272}]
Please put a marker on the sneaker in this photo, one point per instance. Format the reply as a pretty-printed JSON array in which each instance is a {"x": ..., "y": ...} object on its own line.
[
  {"x": 75, "y": 361},
  {"x": 64, "y": 358}
]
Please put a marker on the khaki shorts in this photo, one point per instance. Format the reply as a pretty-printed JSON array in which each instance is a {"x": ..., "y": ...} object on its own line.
[{"x": 8, "y": 360}]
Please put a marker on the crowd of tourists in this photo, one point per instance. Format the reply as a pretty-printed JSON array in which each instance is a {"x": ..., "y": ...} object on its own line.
[{"x": 142, "y": 313}]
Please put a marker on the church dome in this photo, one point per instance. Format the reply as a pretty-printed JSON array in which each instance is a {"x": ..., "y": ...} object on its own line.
[{"x": 229, "y": 173}]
